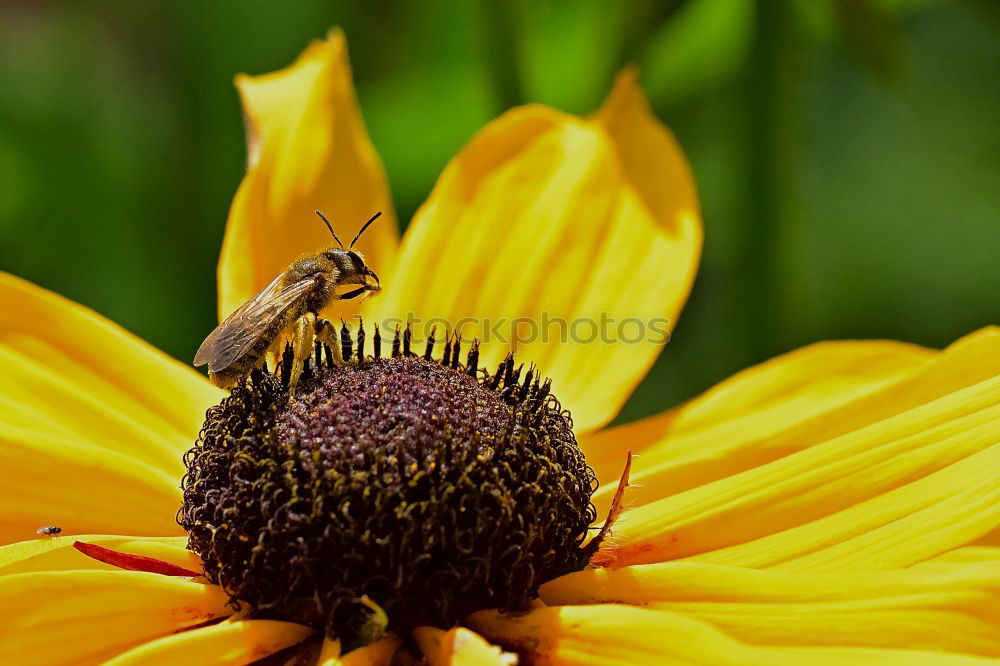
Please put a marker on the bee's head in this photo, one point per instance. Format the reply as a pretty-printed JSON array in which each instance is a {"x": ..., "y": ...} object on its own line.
[{"x": 351, "y": 268}]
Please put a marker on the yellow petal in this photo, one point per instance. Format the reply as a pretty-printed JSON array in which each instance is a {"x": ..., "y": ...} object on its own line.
[
  {"x": 903, "y": 527},
  {"x": 459, "y": 646},
  {"x": 81, "y": 487},
  {"x": 711, "y": 443},
  {"x": 938, "y": 445},
  {"x": 379, "y": 653},
  {"x": 947, "y": 622},
  {"x": 966, "y": 555},
  {"x": 67, "y": 370},
  {"x": 931, "y": 432},
  {"x": 307, "y": 150},
  {"x": 954, "y": 606},
  {"x": 236, "y": 643},
  {"x": 59, "y": 617},
  {"x": 550, "y": 223},
  {"x": 329, "y": 653},
  {"x": 688, "y": 446},
  {"x": 93, "y": 422},
  {"x": 964, "y": 570},
  {"x": 58, "y": 553},
  {"x": 991, "y": 539},
  {"x": 614, "y": 634}
]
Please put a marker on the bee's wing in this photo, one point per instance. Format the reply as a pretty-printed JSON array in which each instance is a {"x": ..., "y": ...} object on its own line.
[{"x": 233, "y": 337}]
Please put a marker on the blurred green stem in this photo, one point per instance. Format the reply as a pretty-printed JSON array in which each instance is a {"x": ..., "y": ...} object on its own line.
[
  {"x": 502, "y": 48},
  {"x": 771, "y": 92},
  {"x": 642, "y": 19}
]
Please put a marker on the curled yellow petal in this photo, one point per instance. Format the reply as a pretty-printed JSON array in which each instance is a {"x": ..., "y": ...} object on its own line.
[
  {"x": 235, "y": 643},
  {"x": 459, "y": 647},
  {"x": 917, "y": 456},
  {"x": 60, "y": 617},
  {"x": 307, "y": 150},
  {"x": 615, "y": 634},
  {"x": 954, "y": 606},
  {"x": 58, "y": 553},
  {"x": 572, "y": 242}
]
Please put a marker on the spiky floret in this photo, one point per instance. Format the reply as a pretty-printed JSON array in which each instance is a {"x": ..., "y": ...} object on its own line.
[{"x": 425, "y": 487}]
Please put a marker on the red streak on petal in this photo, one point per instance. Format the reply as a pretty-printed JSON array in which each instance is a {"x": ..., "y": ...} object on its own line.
[{"x": 132, "y": 562}]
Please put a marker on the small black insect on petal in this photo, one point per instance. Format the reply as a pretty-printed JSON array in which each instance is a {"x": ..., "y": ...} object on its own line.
[{"x": 423, "y": 488}]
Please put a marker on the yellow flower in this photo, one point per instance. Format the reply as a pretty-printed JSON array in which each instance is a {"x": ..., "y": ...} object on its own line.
[{"x": 839, "y": 504}]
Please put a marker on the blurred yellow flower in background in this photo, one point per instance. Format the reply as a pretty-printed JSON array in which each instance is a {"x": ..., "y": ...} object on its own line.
[{"x": 838, "y": 504}]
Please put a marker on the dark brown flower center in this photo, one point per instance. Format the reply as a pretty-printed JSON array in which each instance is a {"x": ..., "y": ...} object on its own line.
[{"x": 409, "y": 485}]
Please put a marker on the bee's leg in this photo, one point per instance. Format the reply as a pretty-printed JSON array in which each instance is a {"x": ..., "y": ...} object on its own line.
[
  {"x": 272, "y": 357},
  {"x": 302, "y": 346},
  {"x": 327, "y": 334},
  {"x": 354, "y": 293},
  {"x": 222, "y": 380}
]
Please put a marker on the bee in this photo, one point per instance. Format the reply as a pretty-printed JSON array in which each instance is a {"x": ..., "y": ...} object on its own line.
[
  {"x": 293, "y": 301},
  {"x": 48, "y": 530}
]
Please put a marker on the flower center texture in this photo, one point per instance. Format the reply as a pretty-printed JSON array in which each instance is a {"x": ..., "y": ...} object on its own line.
[{"x": 387, "y": 492}]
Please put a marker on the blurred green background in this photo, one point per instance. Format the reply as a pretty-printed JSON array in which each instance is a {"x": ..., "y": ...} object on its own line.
[{"x": 847, "y": 152}]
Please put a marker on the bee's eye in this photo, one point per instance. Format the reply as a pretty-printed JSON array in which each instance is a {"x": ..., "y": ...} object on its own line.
[{"x": 356, "y": 261}]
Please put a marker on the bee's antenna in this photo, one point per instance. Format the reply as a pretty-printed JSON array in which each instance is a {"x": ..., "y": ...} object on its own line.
[
  {"x": 366, "y": 225},
  {"x": 330, "y": 227}
]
